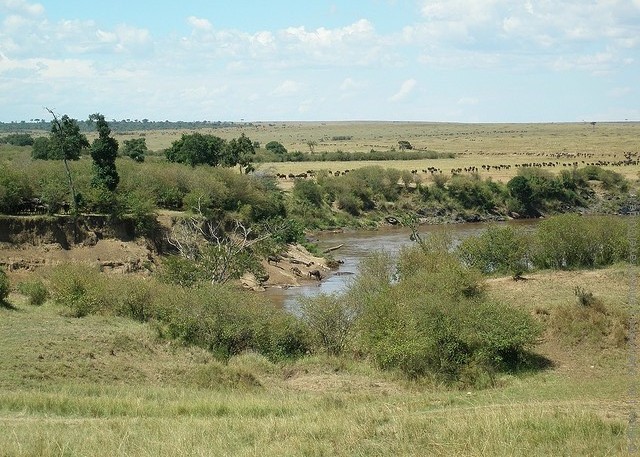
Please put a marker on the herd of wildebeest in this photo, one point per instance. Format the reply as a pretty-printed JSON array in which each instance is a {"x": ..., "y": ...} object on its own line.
[{"x": 628, "y": 160}]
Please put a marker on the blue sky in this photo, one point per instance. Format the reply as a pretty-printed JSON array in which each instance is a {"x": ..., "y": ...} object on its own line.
[{"x": 417, "y": 60}]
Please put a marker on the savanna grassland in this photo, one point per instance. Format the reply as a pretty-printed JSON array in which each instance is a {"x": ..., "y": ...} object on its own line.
[
  {"x": 109, "y": 386},
  {"x": 511, "y": 342},
  {"x": 472, "y": 144}
]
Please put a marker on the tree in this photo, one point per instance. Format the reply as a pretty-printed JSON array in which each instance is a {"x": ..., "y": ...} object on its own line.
[
  {"x": 218, "y": 254},
  {"x": 18, "y": 139},
  {"x": 240, "y": 151},
  {"x": 312, "y": 144},
  {"x": 403, "y": 144},
  {"x": 66, "y": 142},
  {"x": 104, "y": 151},
  {"x": 196, "y": 149},
  {"x": 40, "y": 149},
  {"x": 136, "y": 148},
  {"x": 275, "y": 147}
]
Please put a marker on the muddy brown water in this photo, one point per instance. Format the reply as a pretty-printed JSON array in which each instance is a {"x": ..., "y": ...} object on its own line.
[{"x": 356, "y": 245}]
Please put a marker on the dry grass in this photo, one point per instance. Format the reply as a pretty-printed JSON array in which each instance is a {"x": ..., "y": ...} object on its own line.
[{"x": 473, "y": 144}]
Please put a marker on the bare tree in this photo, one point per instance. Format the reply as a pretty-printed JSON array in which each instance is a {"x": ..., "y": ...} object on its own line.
[
  {"x": 312, "y": 144},
  {"x": 221, "y": 252}
]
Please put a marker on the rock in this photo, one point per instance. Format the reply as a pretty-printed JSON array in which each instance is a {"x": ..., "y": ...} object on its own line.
[{"x": 249, "y": 281}]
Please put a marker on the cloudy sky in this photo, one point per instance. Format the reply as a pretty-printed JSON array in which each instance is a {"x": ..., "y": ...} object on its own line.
[{"x": 427, "y": 60}]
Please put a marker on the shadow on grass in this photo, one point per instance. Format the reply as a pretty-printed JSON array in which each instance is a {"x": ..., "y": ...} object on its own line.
[
  {"x": 529, "y": 363},
  {"x": 7, "y": 305}
]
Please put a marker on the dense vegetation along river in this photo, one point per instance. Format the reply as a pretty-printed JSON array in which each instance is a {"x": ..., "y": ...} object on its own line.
[{"x": 356, "y": 245}]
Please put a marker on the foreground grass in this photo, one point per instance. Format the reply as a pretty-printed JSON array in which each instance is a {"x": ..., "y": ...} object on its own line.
[{"x": 107, "y": 386}]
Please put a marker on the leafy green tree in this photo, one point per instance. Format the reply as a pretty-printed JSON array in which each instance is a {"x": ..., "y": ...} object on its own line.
[
  {"x": 66, "y": 143},
  {"x": 241, "y": 152},
  {"x": 275, "y": 147},
  {"x": 520, "y": 189},
  {"x": 196, "y": 149},
  {"x": 18, "y": 139},
  {"x": 40, "y": 148},
  {"x": 136, "y": 148},
  {"x": 104, "y": 151}
]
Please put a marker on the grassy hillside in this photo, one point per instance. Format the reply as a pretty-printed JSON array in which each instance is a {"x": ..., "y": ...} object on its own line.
[{"x": 108, "y": 386}]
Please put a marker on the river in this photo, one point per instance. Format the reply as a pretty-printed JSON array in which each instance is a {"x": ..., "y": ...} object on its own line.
[{"x": 357, "y": 244}]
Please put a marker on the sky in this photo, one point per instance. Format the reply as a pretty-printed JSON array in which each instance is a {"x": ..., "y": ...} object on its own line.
[{"x": 321, "y": 60}]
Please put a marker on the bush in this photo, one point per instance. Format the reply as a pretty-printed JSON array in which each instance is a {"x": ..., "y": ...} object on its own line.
[
  {"x": 590, "y": 321},
  {"x": 436, "y": 321},
  {"x": 536, "y": 191},
  {"x": 4, "y": 286},
  {"x": 81, "y": 290},
  {"x": 15, "y": 188},
  {"x": 572, "y": 241},
  {"x": 35, "y": 291},
  {"x": 499, "y": 249},
  {"x": 224, "y": 321},
  {"x": 473, "y": 193},
  {"x": 17, "y": 139},
  {"x": 610, "y": 179},
  {"x": 308, "y": 191},
  {"x": 330, "y": 319},
  {"x": 180, "y": 271}
]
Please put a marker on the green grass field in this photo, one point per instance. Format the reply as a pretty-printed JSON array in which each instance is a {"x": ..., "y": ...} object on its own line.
[{"x": 108, "y": 386}]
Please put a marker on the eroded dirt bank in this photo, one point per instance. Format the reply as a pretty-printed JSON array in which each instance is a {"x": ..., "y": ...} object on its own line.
[{"x": 29, "y": 243}]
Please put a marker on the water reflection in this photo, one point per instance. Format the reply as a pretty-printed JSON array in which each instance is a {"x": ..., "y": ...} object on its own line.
[{"x": 358, "y": 244}]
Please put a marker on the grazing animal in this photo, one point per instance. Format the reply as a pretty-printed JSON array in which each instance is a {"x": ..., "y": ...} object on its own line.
[
  {"x": 315, "y": 274},
  {"x": 296, "y": 271},
  {"x": 273, "y": 258}
]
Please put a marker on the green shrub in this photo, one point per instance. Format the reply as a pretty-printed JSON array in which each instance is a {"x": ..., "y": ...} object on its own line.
[
  {"x": 180, "y": 271},
  {"x": 572, "y": 241},
  {"x": 229, "y": 322},
  {"x": 35, "y": 291},
  {"x": 610, "y": 179},
  {"x": 14, "y": 189},
  {"x": 218, "y": 318},
  {"x": 350, "y": 203},
  {"x": 536, "y": 191},
  {"x": 4, "y": 286},
  {"x": 80, "y": 289},
  {"x": 330, "y": 319},
  {"x": 307, "y": 191},
  {"x": 436, "y": 321},
  {"x": 498, "y": 249},
  {"x": 17, "y": 139},
  {"x": 472, "y": 192}
]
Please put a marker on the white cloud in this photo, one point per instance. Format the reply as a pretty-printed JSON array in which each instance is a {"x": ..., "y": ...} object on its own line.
[
  {"x": 199, "y": 23},
  {"x": 349, "y": 84},
  {"x": 405, "y": 90},
  {"x": 287, "y": 88},
  {"x": 598, "y": 63},
  {"x": 323, "y": 37},
  {"x": 22, "y": 7}
]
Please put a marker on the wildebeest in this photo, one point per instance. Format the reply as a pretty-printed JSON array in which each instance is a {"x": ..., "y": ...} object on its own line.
[
  {"x": 296, "y": 271},
  {"x": 273, "y": 258},
  {"x": 315, "y": 274}
]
